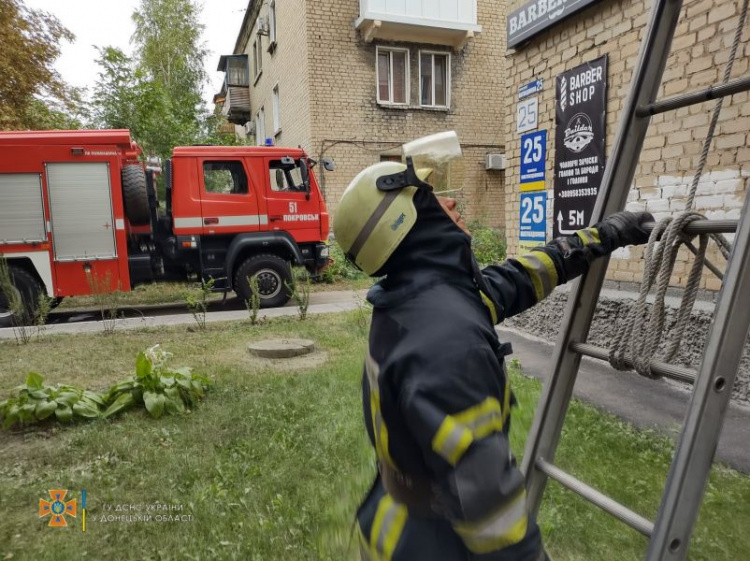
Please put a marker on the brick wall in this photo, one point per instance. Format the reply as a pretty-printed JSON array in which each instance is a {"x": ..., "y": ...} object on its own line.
[
  {"x": 673, "y": 146},
  {"x": 349, "y": 125},
  {"x": 284, "y": 66}
]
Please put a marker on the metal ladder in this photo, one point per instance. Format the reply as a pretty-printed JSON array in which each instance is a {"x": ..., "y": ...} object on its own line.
[{"x": 669, "y": 535}]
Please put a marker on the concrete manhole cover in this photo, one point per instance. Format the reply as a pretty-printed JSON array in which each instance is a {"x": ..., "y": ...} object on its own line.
[{"x": 282, "y": 348}]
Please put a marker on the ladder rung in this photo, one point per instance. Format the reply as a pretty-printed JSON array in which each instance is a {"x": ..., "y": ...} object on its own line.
[
  {"x": 684, "y": 100},
  {"x": 679, "y": 373},
  {"x": 704, "y": 227},
  {"x": 607, "y": 504}
]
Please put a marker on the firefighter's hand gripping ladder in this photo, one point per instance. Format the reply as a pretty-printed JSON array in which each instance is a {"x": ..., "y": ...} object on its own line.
[{"x": 669, "y": 534}]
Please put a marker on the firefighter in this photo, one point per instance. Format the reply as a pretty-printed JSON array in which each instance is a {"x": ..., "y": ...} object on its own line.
[{"x": 436, "y": 396}]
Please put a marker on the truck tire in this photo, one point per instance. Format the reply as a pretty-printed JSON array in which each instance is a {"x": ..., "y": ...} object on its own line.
[
  {"x": 135, "y": 195},
  {"x": 274, "y": 274},
  {"x": 28, "y": 289}
]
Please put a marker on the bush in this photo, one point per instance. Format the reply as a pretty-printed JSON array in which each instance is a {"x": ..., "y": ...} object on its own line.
[
  {"x": 488, "y": 244},
  {"x": 340, "y": 269}
]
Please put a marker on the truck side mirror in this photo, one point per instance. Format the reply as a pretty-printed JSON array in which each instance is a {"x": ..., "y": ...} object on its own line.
[{"x": 328, "y": 164}]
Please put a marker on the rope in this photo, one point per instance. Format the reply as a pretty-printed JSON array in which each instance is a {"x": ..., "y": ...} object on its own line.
[{"x": 642, "y": 333}]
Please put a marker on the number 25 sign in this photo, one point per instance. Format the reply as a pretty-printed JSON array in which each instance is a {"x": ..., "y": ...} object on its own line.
[{"x": 527, "y": 116}]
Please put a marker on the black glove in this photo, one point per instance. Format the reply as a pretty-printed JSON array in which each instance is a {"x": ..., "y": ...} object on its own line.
[{"x": 625, "y": 228}]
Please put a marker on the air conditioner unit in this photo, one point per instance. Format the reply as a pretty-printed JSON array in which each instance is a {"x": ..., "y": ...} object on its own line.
[{"x": 495, "y": 162}]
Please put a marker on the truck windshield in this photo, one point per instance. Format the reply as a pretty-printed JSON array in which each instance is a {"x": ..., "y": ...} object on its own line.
[{"x": 285, "y": 177}]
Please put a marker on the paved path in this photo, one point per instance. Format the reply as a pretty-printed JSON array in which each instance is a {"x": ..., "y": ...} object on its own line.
[
  {"x": 233, "y": 310},
  {"x": 644, "y": 403},
  {"x": 659, "y": 404}
]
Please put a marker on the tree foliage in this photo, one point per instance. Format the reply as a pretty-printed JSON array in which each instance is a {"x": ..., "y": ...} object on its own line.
[
  {"x": 157, "y": 92},
  {"x": 32, "y": 94}
]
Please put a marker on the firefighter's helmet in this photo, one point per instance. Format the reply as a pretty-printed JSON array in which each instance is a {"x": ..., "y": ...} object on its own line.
[{"x": 377, "y": 209}]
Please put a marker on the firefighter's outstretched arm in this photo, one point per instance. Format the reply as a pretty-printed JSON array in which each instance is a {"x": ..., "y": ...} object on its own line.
[
  {"x": 459, "y": 416},
  {"x": 521, "y": 282}
]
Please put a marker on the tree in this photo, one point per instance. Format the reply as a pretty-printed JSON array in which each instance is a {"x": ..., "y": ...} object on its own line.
[
  {"x": 32, "y": 94},
  {"x": 156, "y": 93}
]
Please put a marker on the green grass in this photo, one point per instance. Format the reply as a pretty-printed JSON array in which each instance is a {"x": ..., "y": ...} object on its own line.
[
  {"x": 273, "y": 464},
  {"x": 171, "y": 293}
]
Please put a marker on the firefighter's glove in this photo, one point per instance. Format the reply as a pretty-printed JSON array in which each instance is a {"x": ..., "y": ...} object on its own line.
[{"x": 625, "y": 228}]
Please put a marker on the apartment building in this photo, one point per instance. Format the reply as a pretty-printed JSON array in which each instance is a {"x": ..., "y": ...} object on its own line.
[{"x": 352, "y": 80}]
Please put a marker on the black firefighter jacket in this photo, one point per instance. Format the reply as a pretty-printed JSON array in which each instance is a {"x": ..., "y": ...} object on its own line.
[{"x": 437, "y": 399}]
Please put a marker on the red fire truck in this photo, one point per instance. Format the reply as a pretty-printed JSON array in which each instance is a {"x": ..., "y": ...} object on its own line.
[{"x": 79, "y": 205}]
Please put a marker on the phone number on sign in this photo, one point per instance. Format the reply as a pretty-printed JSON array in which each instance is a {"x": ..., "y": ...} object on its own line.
[{"x": 572, "y": 193}]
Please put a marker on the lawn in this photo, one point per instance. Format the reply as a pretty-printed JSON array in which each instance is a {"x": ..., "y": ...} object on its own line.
[
  {"x": 272, "y": 465},
  {"x": 174, "y": 292}
]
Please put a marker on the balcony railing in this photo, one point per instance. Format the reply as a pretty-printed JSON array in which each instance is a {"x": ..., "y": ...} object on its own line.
[{"x": 442, "y": 22}]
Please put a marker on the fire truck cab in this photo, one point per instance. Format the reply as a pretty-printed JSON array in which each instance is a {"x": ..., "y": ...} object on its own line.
[{"x": 79, "y": 212}]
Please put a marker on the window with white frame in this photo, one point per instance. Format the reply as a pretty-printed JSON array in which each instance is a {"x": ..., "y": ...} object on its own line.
[
  {"x": 272, "y": 25},
  {"x": 276, "y": 110},
  {"x": 257, "y": 56},
  {"x": 434, "y": 79},
  {"x": 260, "y": 127},
  {"x": 392, "y": 76}
]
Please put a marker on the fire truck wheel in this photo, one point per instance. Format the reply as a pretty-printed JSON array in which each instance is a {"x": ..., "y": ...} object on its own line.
[
  {"x": 135, "y": 195},
  {"x": 273, "y": 274},
  {"x": 28, "y": 290}
]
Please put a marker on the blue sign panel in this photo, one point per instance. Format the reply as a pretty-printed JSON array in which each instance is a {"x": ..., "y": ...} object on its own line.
[
  {"x": 533, "y": 160},
  {"x": 530, "y": 89},
  {"x": 533, "y": 216}
]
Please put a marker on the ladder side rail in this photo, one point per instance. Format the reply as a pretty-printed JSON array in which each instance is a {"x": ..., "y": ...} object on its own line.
[
  {"x": 692, "y": 462},
  {"x": 618, "y": 175}
]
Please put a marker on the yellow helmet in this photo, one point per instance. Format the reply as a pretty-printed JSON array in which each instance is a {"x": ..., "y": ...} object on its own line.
[
  {"x": 370, "y": 221},
  {"x": 377, "y": 209}
]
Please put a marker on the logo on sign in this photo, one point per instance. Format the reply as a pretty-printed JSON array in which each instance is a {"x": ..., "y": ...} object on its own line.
[
  {"x": 563, "y": 93},
  {"x": 579, "y": 133}
]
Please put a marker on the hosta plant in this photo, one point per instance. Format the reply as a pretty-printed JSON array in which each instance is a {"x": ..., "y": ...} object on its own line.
[
  {"x": 158, "y": 388},
  {"x": 154, "y": 386},
  {"x": 33, "y": 401}
]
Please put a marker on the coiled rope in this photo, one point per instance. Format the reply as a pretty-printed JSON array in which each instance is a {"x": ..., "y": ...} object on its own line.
[{"x": 641, "y": 333}]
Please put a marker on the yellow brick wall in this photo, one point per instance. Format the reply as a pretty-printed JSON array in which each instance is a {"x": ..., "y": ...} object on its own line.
[
  {"x": 285, "y": 66},
  {"x": 673, "y": 146},
  {"x": 349, "y": 126}
]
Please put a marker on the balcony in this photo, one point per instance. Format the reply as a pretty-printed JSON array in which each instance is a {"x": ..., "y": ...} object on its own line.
[
  {"x": 437, "y": 22},
  {"x": 235, "y": 92}
]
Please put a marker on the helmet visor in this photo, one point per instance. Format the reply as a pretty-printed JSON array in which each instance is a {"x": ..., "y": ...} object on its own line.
[{"x": 438, "y": 161}]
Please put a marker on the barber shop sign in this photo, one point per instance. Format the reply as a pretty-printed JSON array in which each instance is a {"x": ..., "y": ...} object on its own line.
[
  {"x": 580, "y": 131},
  {"x": 536, "y": 16}
]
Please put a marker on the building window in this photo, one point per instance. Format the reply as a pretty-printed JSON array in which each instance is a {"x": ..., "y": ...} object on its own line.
[
  {"x": 224, "y": 178},
  {"x": 276, "y": 110},
  {"x": 237, "y": 71},
  {"x": 257, "y": 57},
  {"x": 391, "y": 158},
  {"x": 260, "y": 127},
  {"x": 434, "y": 79},
  {"x": 393, "y": 76},
  {"x": 272, "y": 26}
]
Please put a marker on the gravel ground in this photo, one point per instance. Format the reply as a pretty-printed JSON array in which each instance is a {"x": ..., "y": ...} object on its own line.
[{"x": 544, "y": 320}]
